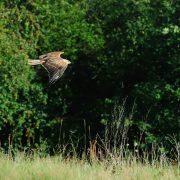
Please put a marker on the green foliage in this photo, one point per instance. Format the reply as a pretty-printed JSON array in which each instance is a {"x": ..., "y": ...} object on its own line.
[
  {"x": 119, "y": 49},
  {"x": 21, "y": 101},
  {"x": 142, "y": 51}
]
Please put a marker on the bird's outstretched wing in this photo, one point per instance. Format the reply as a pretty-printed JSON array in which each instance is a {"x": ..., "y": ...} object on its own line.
[
  {"x": 53, "y": 63},
  {"x": 52, "y": 55},
  {"x": 55, "y": 71}
]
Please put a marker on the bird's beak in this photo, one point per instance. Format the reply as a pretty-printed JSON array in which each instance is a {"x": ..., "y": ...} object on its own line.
[{"x": 69, "y": 62}]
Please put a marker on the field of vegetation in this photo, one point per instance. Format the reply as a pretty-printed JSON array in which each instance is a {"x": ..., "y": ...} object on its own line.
[
  {"x": 114, "y": 114},
  {"x": 22, "y": 167}
]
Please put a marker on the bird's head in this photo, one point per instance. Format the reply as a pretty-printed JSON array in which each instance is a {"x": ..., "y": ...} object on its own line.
[{"x": 67, "y": 61}]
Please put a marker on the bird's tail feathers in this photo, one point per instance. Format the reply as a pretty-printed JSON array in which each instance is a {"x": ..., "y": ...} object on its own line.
[{"x": 34, "y": 61}]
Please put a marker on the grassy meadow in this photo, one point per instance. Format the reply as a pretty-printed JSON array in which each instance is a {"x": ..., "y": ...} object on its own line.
[
  {"x": 27, "y": 167},
  {"x": 114, "y": 114}
]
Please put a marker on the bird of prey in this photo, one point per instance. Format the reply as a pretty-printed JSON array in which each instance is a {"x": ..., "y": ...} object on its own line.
[{"x": 53, "y": 63}]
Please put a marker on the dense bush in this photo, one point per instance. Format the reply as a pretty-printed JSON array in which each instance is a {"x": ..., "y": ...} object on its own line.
[
  {"x": 142, "y": 51},
  {"x": 22, "y": 100},
  {"x": 119, "y": 49}
]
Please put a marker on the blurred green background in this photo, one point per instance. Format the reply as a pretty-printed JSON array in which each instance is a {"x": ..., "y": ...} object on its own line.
[{"x": 119, "y": 49}]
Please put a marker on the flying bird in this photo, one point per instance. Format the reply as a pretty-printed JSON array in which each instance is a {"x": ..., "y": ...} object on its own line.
[{"x": 53, "y": 63}]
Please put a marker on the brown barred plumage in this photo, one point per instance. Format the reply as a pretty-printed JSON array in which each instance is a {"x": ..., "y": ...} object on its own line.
[{"x": 53, "y": 63}]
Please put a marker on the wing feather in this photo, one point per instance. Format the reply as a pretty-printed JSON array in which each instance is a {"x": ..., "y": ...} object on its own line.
[
  {"x": 54, "y": 65},
  {"x": 55, "y": 71},
  {"x": 52, "y": 55}
]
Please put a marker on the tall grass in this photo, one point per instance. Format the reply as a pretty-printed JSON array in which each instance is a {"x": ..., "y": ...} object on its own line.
[
  {"x": 115, "y": 147},
  {"x": 34, "y": 167},
  {"x": 106, "y": 158}
]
